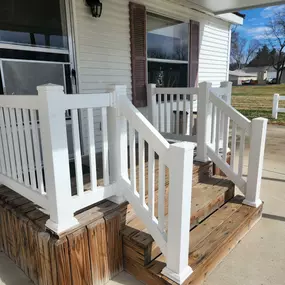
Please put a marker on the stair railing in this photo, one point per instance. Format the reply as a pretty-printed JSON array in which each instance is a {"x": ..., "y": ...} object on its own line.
[
  {"x": 132, "y": 127},
  {"x": 214, "y": 117},
  {"x": 173, "y": 111}
]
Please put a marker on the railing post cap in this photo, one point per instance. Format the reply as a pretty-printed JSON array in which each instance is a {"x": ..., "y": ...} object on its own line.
[
  {"x": 226, "y": 84},
  {"x": 276, "y": 95},
  {"x": 183, "y": 145},
  {"x": 50, "y": 87},
  {"x": 205, "y": 83},
  {"x": 260, "y": 119}
]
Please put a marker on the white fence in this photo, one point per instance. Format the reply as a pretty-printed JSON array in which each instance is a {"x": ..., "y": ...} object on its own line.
[
  {"x": 34, "y": 158},
  {"x": 217, "y": 115},
  {"x": 174, "y": 111},
  {"x": 34, "y": 162},
  {"x": 34, "y": 152},
  {"x": 275, "y": 109}
]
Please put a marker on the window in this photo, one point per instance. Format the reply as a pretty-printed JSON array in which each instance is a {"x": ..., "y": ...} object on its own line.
[
  {"x": 167, "y": 52},
  {"x": 34, "y": 46},
  {"x": 33, "y": 23}
]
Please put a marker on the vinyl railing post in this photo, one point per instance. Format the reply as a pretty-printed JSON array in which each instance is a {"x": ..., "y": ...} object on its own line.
[
  {"x": 275, "y": 106},
  {"x": 151, "y": 105},
  {"x": 203, "y": 121},
  {"x": 118, "y": 144},
  {"x": 55, "y": 157},
  {"x": 180, "y": 157},
  {"x": 255, "y": 163},
  {"x": 229, "y": 86},
  {"x": 228, "y": 99}
]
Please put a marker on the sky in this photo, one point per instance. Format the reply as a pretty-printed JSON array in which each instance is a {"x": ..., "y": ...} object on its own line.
[{"x": 254, "y": 26}]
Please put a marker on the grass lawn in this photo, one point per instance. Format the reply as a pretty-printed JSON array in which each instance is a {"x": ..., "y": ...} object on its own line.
[{"x": 256, "y": 101}]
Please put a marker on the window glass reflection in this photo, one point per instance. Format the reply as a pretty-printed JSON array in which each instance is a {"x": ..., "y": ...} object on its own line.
[{"x": 33, "y": 22}]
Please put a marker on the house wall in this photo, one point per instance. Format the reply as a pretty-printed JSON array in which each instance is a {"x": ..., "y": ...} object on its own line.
[{"x": 103, "y": 46}]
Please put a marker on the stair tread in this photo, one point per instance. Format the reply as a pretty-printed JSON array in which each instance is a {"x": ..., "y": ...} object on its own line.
[
  {"x": 213, "y": 239},
  {"x": 206, "y": 197}
]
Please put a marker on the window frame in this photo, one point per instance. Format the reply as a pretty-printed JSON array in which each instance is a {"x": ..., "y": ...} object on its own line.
[{"x": 172, "y": 61}]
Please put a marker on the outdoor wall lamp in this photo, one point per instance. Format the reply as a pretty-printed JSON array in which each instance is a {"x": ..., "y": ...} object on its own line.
[{"x": 96, "y": 7}]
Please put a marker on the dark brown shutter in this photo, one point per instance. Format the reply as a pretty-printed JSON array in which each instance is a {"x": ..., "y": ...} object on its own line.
[
  {"x": 194, "y": 53},
  {"x": 138, "y": 53}
]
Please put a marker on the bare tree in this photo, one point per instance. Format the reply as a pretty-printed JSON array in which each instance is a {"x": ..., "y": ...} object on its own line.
[
  {"x": 275, "y": 34},
  {"x": 242, "y": 50}
]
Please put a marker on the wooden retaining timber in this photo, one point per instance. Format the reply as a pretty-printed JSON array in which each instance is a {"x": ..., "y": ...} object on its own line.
[{"x": 88, "y": 254}]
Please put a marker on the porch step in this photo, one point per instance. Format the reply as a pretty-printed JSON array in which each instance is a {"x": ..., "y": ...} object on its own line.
[
  {"x": 210, "y": 242},
  {"x": 207, "y": 197}
]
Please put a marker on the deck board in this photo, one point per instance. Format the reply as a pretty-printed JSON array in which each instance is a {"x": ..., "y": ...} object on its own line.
[
  {"x": 207, "y": 197},
  {"x": 210, "y": 242}
]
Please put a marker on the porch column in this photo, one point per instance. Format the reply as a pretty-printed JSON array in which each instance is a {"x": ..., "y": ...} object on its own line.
[{"x": 56, "y": 159}]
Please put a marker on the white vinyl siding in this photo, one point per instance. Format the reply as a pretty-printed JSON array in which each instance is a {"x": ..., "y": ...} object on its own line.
[
  {"x": 214, "y": 52},
  {"x": 103, "y": 47}
]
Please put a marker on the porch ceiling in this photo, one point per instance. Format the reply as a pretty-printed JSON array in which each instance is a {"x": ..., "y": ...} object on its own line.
[{"x": 225, "y": 6}]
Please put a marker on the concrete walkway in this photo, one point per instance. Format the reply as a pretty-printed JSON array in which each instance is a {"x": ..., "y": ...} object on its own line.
[{"x": 259, "y": 259}]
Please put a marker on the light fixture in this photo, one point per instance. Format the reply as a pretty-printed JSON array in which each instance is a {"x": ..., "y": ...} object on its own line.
[{"x": 96, "y": 7}]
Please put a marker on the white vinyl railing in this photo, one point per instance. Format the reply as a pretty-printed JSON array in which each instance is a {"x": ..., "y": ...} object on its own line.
[
  {"x": 34, "y": 152},
  {"x": 275, "y": 109},
  {"x": 34, "y": 161},
  {"x": 173, "y": 240},
  {"x": 173, "y": 111},
  {"x": 217, "y": 115}
]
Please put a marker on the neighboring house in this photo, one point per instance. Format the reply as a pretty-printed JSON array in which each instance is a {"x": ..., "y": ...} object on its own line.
[
  {"x": 265, "y": 72},
  {"x": 94, "y": 182},
  {"x": 238, "y": 76}
]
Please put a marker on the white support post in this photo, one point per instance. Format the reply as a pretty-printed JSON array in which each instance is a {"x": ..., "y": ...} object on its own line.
[
  {"x": 203, "y": 121},
  {"x": 118, "y": 141},
  {"x": 180, "y": 158},
  {"x": 55, "y": 157},
  {"x": 255, "y": 163},
  {"x": 228, "y": 96},
  {"x": 228, "y": 99},
  {"x": 151, "y": 105},
  {"x": 275, "y": 106}
]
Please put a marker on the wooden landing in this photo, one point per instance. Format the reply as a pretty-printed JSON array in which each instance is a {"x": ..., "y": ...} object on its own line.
[{"x": 210, "y": 242}]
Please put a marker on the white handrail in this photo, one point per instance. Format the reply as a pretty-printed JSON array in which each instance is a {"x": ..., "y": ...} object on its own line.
[
  {"x": 215, "y": 115},
  {"x": 231, "y": 112},
  {"x": 148, "y": 131},
  {"x": 173, "y": 111},
  {"x": 178, "y": 158}
]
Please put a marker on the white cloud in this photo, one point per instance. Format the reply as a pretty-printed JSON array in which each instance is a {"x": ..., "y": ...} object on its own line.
[
  {"x": 269, "y": 11},
  {"x": 259, "y": 33}
]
